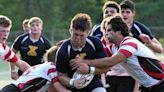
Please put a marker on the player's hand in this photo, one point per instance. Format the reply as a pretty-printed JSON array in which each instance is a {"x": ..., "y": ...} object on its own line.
[
  {"x": 67, "y": 90},
  {"x": 145, "y": 38},
  {"x": 75, "y": 63},
  {"x": 14, "y": 75},
  {"x": 78, "y": 83},
  {"x": 83, "y": 68}
]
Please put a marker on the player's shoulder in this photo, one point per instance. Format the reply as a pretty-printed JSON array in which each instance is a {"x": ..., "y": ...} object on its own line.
[
  {"x": 23, "y": 35},
  {"x": 96, "y": 27},
  {"x": 64, "y": 46},
  {"x": 93, "y": 39},
  {"x": 44, "y": 39},
  {"x": 66, "y": 42},
  {"x": 140, "y": 25}
]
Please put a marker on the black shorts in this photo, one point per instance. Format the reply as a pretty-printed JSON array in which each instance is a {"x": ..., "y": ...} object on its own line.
[
  {"x": 156, "y": 88},
  {"x": 10, "y": 88},
  {"x": 120, "y": 83}
]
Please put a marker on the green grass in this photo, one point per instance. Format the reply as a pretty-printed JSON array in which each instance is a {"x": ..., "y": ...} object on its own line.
[
  {"x": 4, "y": 74},
  {"x": 161, "y": 56}
]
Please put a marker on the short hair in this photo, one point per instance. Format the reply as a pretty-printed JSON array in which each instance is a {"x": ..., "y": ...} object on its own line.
[
  {"x": 112, "y": 4},
  {"x": 50, "y": 54},
  {"x": 104, "y": 23},
  {"x": 5, "y": 21},
  {"x": 118, "y": 24},
  {"x": 35, "y": 19},
  {"x": 25, "y": 21},
  {"x": 128, "y": 4},
  {"x": 81, "y": 21}
]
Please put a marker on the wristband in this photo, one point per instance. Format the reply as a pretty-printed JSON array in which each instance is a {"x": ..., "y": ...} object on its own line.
[
  {"x": 92, "y": 70},
  {"x": 13, "y": 71},
  {"x": 89, "y": 70},
  {"x": 71, "y": 82}
]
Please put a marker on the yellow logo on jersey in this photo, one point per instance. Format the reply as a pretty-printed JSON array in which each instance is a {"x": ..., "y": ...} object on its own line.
[
  {"x": 32, "y": 51},
  {"x": 81, "y": 55}
]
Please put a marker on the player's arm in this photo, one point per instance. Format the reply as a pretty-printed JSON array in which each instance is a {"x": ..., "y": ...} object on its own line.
[
  {"x": 100, "y": 63},
  {"x": 148, "y": 38},
  {"x": 154, "y": 44},
  {"x": 68, "y": 82},
  {"x": 64, "y": 79},
  {"x": 59, "y": 87},
  {"x": 12, "y": 66},
  {"x": 85, "y": 69},
  {"x": 22, "y": 65},
  {"x": 14, "y": 74}
]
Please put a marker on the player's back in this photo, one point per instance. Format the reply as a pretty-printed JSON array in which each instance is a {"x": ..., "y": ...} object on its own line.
[{"x": 37, "y": 76}]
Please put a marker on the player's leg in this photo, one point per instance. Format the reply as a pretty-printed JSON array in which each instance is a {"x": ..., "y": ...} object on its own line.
[
  {"x": 51, "y": 89},
  {"x": 10, "y": 88}
]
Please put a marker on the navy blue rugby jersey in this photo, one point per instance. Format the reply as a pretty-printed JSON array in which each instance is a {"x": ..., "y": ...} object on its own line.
[
  {"x": 139, "y": 28},
  {"x": 96, "y": 31},
  {"x": 93, "y": 49},
  {"x": 31, "y": 52}
]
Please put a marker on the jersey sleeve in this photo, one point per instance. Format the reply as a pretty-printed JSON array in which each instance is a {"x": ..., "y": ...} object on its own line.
[
  {"x": 47, "y": 43},
  {"x": 9, "y": 55},
  {"x": 96, "y": 32},
  {"x": 17, "y": 43},
  {"x": 128, "y": 49},
  {"x": 145, "y": 30},
  {"x": 53, "y": 74},
  {"x": 62, "y": 59},
  {"x": 100, "y": 53}
]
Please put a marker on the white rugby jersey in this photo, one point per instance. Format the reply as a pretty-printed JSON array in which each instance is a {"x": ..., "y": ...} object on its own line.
[
  {"x": 37, "y": 78},
  {"x": 141, "y": 63},
  {"x": 7, "y": 54},
  {"x": 116, "y": 70}
]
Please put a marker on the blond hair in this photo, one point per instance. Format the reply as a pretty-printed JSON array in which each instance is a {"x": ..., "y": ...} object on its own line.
[
  {"x": 50, "y": 54},
  {"x": 35, "y": 20},
  {"x": 25, "y": 21}
]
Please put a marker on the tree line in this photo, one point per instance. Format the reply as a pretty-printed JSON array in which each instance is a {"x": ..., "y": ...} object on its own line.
[{"x": 57, "y": 14}]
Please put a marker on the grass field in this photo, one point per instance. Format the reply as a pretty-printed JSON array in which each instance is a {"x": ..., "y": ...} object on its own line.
[{"x": 5, "y": 72}]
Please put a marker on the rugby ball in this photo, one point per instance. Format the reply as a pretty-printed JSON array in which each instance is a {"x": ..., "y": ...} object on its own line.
[{"x": 78, "y": 75}]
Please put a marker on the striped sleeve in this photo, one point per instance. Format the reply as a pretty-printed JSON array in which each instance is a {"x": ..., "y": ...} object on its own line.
[
  {"x": 128, "y": 48},
  {"x": 10, "y": 56},
  {"x": 53, "y": 74}
]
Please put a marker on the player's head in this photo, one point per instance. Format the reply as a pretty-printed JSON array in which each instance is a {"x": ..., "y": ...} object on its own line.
[
  {"x": 5, "y": 21},
  {"x": 80, "y": 28},
  {"x": 25, "y": 25},
  {"x": 117, "y": 24},
  {"x": 128, "y": 4},
  {"x": 35, "y": 20},
  {"x": 5, "y": 26},
  {"x": 127, "y": 10},
  {"x": 81, "y": 21},
  {"x": 35, "y": 24},
  {"x": 50, "y": 54},
  {"x": 111, "y": 8}
]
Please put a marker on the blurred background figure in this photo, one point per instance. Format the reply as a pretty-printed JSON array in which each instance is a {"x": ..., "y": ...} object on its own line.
[
  {"x": 31, "y": 46},
  {"x": 25, "y": 25}
]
